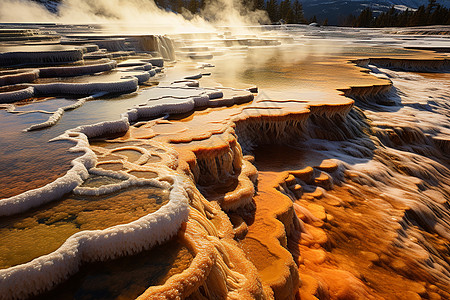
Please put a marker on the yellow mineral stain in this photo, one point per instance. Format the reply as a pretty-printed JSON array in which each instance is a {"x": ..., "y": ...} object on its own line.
[
  {"x": 127, "y": 277},
  {"x": 42, "y": 231},
  {"x": 266, "y": 238}
]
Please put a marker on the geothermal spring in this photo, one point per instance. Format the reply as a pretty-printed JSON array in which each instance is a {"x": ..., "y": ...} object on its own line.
[{"x": 266, "y": 162}]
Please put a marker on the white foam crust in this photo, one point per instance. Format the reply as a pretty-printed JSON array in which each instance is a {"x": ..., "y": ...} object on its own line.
[
  {"x": 74, "y": 177},
  {"x": 177, "y": 105},
  {"x": 57, "y": 115},
  {"x": 19, "y": 77},
  {"x": 80, "y": 166},
  {"x": 69, "y": 71},
  {"x": 128, "y": 180},
  {"x": 40, "y": 57},
  {"x": 44, "y": 272},
  {"x": 126, "y": 84},
  {"x": 14, "y": 96},
  {"x": 102, "y": 128},
  {"x": 56, "y": 189}
]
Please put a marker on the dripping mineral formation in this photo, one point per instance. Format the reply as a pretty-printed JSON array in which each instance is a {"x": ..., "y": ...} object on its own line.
[{"x": 286, "y": 162}]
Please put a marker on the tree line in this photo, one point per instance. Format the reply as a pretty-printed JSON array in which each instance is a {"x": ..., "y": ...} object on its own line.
[
  {"x": 432, "y": 14},
  {"x": 285, "y": 10},
  {"x": 291, "y": 12}
]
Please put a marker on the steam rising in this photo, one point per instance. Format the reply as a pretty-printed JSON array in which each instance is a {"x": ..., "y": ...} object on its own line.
[{"x": 132, "y": 14}]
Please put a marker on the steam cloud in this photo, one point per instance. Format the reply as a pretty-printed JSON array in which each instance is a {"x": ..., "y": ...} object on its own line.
[{"x": 132, "y": 13}]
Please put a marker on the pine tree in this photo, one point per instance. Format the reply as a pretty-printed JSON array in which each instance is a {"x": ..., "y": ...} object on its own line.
[
  {"x": 419, "y": 17},
  {"x": 403, "y": 18},
  {"x": 350, "y": 20},
  {"x": 193, "y": 6},
  {"x": 272, "y": 10},
  {"x": 259, "y": 4},
  {"x": 365, "y": 18},
  {"x": 432, "y": 14},
  {"x": 431, "y": 6},
  {"x": 298, "y": 16},
  {"x": 286, "y": 12}
]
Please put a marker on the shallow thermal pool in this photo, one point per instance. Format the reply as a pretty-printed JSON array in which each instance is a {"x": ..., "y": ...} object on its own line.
[
  {"x": 337, "y": 167},
  {"x": 127, "y": 277},
  {"x": 43, "y": 230}
]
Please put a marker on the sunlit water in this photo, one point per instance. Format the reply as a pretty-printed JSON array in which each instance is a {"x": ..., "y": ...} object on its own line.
[
  {"x": 390, "y": 217},
  {"x": 127, "y": 277},
  {"x": 42, "y": 231},
  {"x": 393, "y": 185},
  {"x": 307, "y": 65}
]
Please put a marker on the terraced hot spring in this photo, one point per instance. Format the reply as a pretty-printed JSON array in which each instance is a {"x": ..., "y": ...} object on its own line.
[
  {"x": 35, "y": 48},
  {"x": 127, "y": 277},
  {"x": 25, "y": 164},
  {"x": 46, "y": 104},
  {"x": 110, "y": 76},
  {"x": 43, "y": 230},
  {"x": 29, "y": 160}
]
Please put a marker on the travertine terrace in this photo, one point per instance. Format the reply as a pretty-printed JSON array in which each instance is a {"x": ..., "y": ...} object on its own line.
[{"x": 286, "y": 162}]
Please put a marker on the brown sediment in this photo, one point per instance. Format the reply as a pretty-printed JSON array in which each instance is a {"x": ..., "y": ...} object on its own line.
[
  {"x": 21, "y": 176},
  {"x": 206, "y": 158},
  {"x": 43, "y": 230},
  {"x": 219, "y": 267},
  {"x": 266, "y": 241},
  {"x": 95, "y": 181},
  {"x": 217, "y": 160},
  {"x": 416, "y": 64},
  {"x": 282, "y": 230},
  {"x": 442, "y": 142},
  {"x": 341, "y": 254},
  {"x": 237, "y": 192},
  {"x": 367, "y": 93},
  {"x": 126, "y": 277},
  {"x": 22, "y": 235},
  {"x": 133, "y": 156},
  {"x": 210, "y": 154},
  {"x": 320, "y": 279},
  {"x": 304, "y": 239},
  {"x": 10, "y": 77},
  {"x": 144, "y": 174}
]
